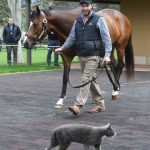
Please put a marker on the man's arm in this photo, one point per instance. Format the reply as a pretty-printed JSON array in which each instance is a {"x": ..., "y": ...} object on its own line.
[
  {"x": 69, "y": 41},
  {"x": 102, "y": 25}
]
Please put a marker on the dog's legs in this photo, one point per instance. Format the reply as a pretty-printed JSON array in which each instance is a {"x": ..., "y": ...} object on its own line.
[
  {"x": 86, "y": 147},
  {"x": 97, "y": 147},
  {"x": 64, "y": 146}
]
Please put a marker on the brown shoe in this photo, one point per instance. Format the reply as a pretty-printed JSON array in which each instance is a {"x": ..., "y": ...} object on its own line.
[
  {"x": 96, "y": 109},
  {"x": 74, "y": 109}
]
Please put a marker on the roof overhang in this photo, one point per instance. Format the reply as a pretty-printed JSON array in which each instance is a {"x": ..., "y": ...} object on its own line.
[
  {"x": 108, "y": 1},
  {"x": 96, "y": 1}
]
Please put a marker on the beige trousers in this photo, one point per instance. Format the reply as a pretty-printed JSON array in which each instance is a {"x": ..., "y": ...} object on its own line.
[{"x": 88, "y": 67}]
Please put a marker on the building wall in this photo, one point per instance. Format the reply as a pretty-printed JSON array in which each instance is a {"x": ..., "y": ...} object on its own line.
[{"x": 138, "y": 13}]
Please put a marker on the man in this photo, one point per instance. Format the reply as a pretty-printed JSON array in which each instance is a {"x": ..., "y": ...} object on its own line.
[
  {"x": 52, "y": 41},
  {"x": 88, "y": 32},
  {"x": 11, "y": 36}
]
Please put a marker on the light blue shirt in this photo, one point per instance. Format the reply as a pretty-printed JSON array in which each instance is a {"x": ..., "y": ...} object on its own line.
[{"x": 102, "y": 26}]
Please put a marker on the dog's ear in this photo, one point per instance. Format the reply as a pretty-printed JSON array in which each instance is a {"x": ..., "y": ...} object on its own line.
[{"x": 108, "y": 126}]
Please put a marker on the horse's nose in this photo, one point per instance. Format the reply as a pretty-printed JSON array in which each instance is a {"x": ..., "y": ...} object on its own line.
[{"x": 26, "y": 45}]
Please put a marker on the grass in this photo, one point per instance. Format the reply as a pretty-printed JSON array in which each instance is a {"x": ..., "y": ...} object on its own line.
[
  {"x": 25, "y": 68},
  {"x": 38, "y": 62}
]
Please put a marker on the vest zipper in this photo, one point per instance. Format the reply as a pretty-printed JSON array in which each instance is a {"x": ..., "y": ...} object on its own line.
[{"x": 82, "y": 34}]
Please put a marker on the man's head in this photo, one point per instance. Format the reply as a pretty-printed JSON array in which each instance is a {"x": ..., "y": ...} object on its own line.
[
  {"x": 86, "y": 6},
  {"x": 10, "y": 21}
]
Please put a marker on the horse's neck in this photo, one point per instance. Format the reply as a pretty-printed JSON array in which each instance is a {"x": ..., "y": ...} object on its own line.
[{"x": 62, "y": 20}]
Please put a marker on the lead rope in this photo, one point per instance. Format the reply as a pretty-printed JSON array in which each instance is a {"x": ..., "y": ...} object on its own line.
[
  {"x": 94, "y": 78},
  {"x": 79, "y": 86},
  {"x": 116, "y": 88}
]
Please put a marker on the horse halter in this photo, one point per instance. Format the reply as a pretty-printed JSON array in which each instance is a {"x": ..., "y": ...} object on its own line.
[{"x": 44, "y": 23}]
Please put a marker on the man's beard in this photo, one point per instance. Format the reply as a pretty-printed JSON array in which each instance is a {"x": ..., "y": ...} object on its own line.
[{"x": 86, "y": 13}]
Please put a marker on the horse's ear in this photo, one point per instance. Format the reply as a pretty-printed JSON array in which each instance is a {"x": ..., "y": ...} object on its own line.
[{"x": 38, "y": 10}]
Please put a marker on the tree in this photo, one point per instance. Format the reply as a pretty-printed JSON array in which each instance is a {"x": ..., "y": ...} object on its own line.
[
  {"x": 4, "y": 14},
  {"x": 4, "y": 11}
]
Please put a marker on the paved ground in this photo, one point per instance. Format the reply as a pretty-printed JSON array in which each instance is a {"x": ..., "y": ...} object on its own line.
[{"x": 27, "y": 117}]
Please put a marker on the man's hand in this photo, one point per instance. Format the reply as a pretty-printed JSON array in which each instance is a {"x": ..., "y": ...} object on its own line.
[
  {"x": 58, "y": 51},
  {"x": 106, "y": 60}
]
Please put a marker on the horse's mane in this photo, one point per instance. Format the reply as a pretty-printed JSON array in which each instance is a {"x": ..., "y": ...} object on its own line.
[
  {"x": 47, "y": 10},
  {"x": 62, "y": 8}
]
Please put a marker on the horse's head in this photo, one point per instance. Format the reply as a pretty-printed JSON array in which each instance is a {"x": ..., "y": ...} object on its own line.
[{"x": 37, "y": 28}]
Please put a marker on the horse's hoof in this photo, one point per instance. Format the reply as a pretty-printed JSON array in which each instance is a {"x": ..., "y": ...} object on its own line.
[
  {"x": 115, "y": 95},
  {"x": 58, "y": 106}
]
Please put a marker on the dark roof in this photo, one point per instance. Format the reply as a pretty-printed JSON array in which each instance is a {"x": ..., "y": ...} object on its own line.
[
  {"x": 108, "y": 1},
  {"x": 97, "y": 1}
]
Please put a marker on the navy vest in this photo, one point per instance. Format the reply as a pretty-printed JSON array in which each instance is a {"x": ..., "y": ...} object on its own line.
[{"x": 88, "y": 38}]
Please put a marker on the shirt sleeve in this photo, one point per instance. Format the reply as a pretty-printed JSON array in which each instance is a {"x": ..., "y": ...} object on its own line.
[
  {"x": 70, "y": 41},
  {"x": 102, "y": 25}
]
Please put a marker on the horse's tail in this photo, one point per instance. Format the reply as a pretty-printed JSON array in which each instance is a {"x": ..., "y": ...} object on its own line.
[{"x": 129, "y": 59}]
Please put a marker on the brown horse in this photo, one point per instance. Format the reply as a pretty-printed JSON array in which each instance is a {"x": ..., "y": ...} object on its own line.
[{"x": 60, "y": 22}]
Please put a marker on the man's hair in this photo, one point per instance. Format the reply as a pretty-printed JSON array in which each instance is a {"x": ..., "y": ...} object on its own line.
[{"x": 10, "y": 18}]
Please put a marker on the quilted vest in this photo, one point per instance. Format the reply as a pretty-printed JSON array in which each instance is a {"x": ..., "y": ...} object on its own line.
[{"x": 88, "y": 38}]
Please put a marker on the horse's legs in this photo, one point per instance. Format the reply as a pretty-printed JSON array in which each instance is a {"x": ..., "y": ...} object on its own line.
[
  {"x": 65, "y": 81},
  {"x": 66, "y": 63},
  {"x": 64, "y": 85},
  {"x": 59, "y": 103},
  {"x": 118, "y": 71}
]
